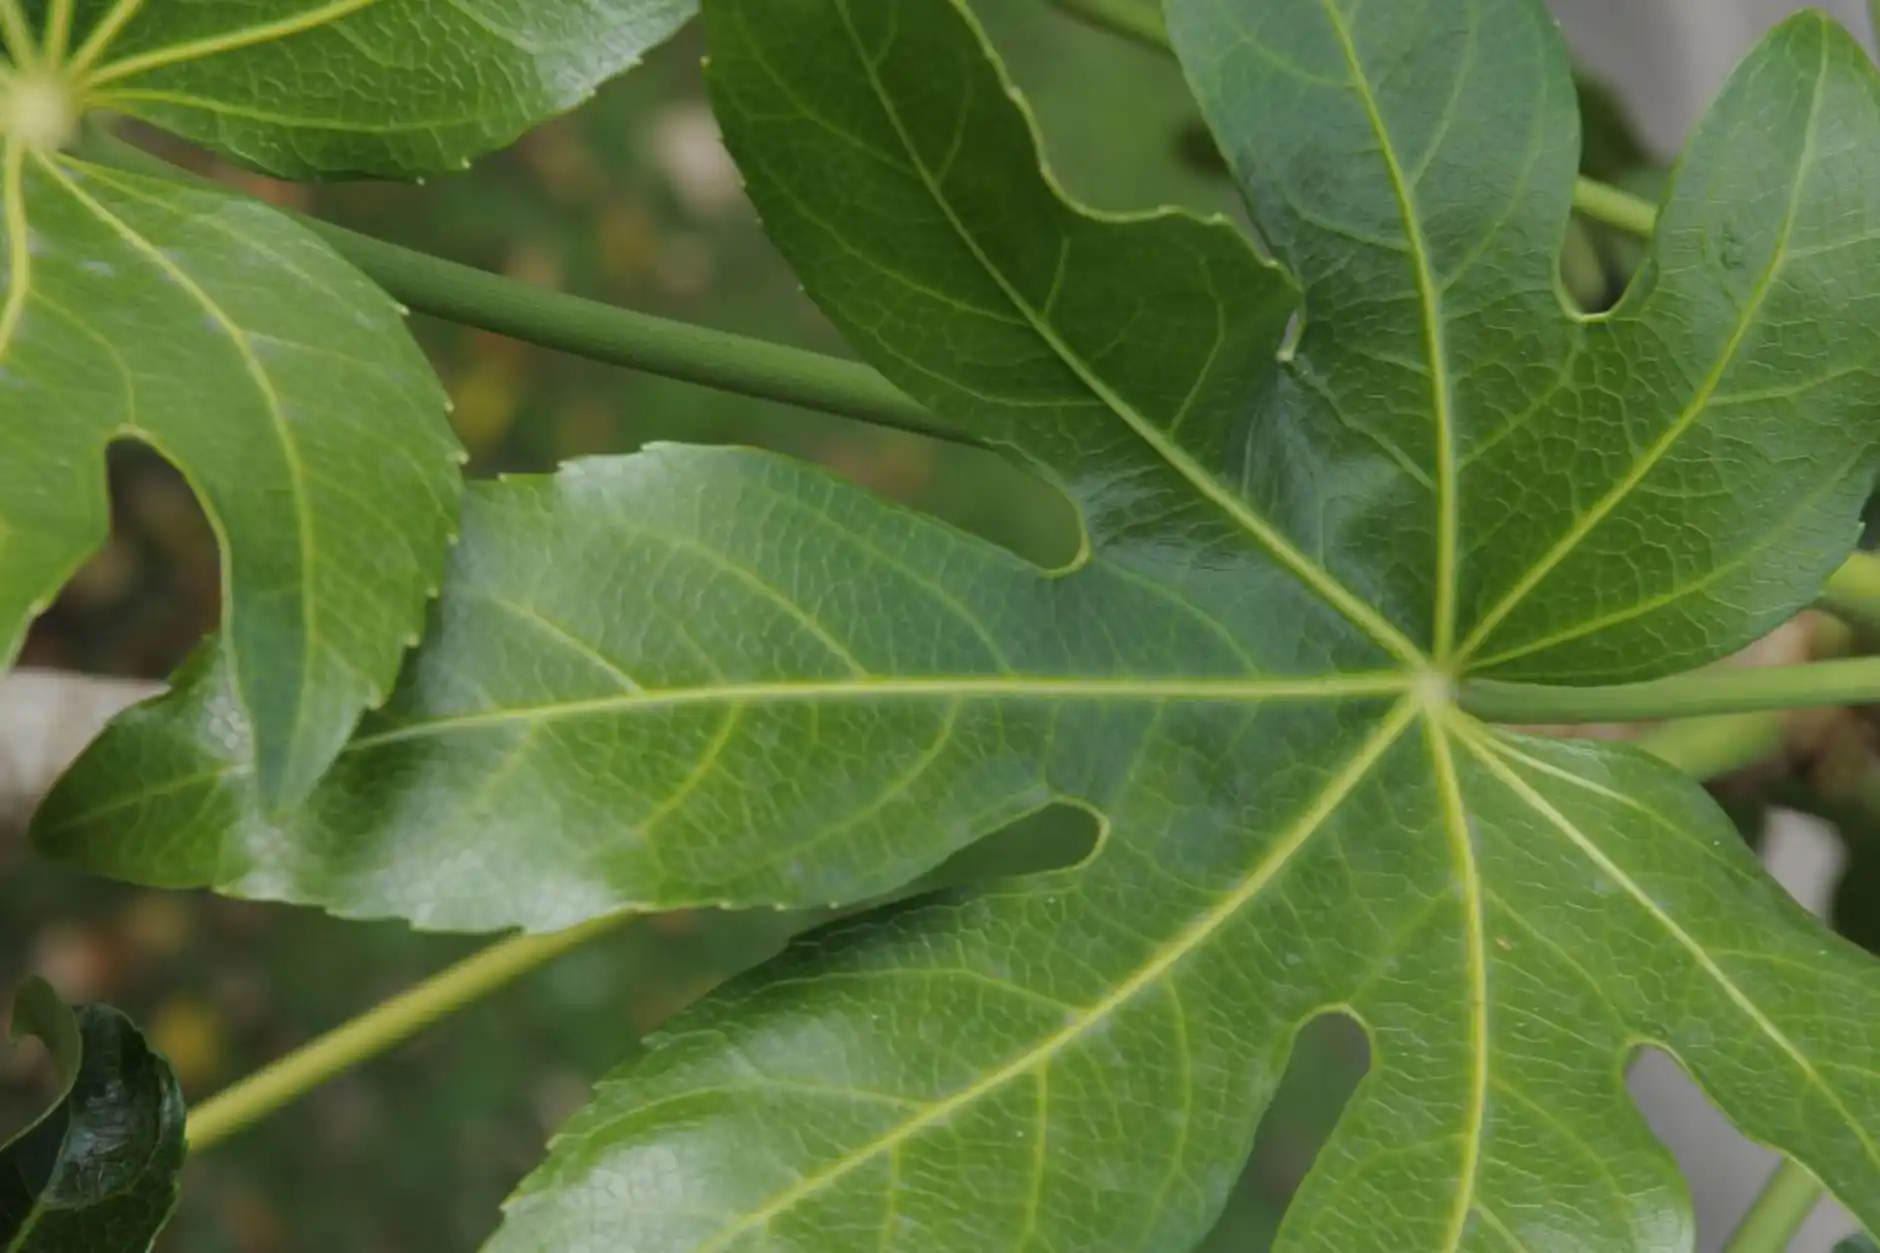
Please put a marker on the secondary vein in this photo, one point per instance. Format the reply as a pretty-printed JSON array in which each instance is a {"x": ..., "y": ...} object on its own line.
[
  {"x": 1462, "y": 851},
  {"x": 247, "y": 37},
  {"x": 1688, "y": 417},
  {"x": 1284, "y": 849},
  {"x": 19, "y": 245},
  {"x": 1313, "y": 575}
]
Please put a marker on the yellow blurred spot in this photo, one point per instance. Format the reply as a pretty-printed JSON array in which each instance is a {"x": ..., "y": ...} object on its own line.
[
  {"x": 563, "y": 164},
  {"x": 536, "y": 266},
  {"x": 586, "y": 428},
  {"x": 189, "y": 1032},
  {"x": 488, "y": 395},
  {"x": 157, "y": 925},
  {"x": 627, "y": 239}
]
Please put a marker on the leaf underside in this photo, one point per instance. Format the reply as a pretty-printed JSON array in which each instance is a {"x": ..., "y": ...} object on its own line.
[
  {"x": 99, "y": 1172},
  {"x": 1314, "y": 490}
]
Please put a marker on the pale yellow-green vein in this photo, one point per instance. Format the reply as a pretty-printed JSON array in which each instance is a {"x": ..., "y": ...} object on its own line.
[
  {"x": 1469, "y": 876},
  {"x": 1435, "y": 340},
  {"x": 1277, "y": 857},
  {"x": 257, "y": 374},
  {"x": 102, "y": 36},
  {"x": 940, "y": 687},
  {"x": 229, "y": 41},
  {"x": 19, "y": 245},
  {"x": 1496, "y": 755},
  {"x": 58, "y": 31},
  {"x": 18, "y": 34},
  {"x": 1309, "y": 572},
  {"x": 1688, "y": 417}
]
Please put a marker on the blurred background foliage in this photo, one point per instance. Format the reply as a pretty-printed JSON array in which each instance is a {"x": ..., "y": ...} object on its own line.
[{"x": 632, "y": 201}]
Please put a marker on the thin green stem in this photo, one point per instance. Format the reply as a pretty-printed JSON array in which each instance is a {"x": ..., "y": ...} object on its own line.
[
  {"x": 600, "y": 332},
  {"x": 382, "y": 1029},
  {"x": 1138, "y": 20},
  {"x": 1778, "y": 1212},
  {"x": 1853, "y": 592},
  {"x": 1605, "y": 203},
  {"x": 1854, "y": 681}
]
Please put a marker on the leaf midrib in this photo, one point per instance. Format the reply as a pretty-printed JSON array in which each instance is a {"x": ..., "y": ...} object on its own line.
[
  {"x": 940, "y": 687},
  {"x": 1469, "y": 877},
  {"x": 1275, "y": 860},
  {"x": 1377, "y": 685},
  {"x": 1435, "y": 339},
  {"x": 1309, "y": 572}
]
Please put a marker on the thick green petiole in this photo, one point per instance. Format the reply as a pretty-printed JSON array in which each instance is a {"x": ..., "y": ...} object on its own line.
[{"x": 597, "y": 331}]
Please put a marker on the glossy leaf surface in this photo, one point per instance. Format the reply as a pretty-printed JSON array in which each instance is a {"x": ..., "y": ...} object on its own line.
[
  {"x": 303, "y": 88},
  {"x": 98, "y": 1173},
  {"x": 279, "y": 380},
  {"x": 1314, "y": 493}
]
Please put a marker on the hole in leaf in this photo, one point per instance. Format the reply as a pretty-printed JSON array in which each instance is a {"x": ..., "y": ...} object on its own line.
[
  {"x": 1056, "y": 837},
  {"x": 1330, "y": 1056},
  {"x": 989, "y": 494},
  {"x": 144, "y": 600},
  {"x": 1723, "y": 1170},
  {"x": 29, "y": 1082}
]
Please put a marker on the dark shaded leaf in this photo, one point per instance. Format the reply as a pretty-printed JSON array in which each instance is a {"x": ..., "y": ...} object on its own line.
[{"x": 99, "y": 1172}]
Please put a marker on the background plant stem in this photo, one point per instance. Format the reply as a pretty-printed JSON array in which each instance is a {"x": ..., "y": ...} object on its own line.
[
  {"x": 1853, "y": 593},
  {"x": 1622, "y": 210},
  {"x": 382, "y": 1029},
  {"x": 1140, "y": 20},
  {"x": 1778, "y": 1212},
  {"x": 1853, "y": 681},
  {"x": 1706, "y": 748}
]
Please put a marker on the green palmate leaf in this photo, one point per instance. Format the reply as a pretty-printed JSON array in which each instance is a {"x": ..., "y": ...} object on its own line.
[
  {"x": 304, "y": 88},
  {"x": 676, "y": 747},
  {"x": 280, "y": 381},
  {"x": 1315, "y": 493},
  {"x": 98, "y": 1173}
]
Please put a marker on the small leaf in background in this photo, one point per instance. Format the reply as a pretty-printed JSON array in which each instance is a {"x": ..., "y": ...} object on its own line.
[
  {"x": 99, "y": 1172},
  {"x": 395, "y": 88},
  {"x": 277, "y": 378}
]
